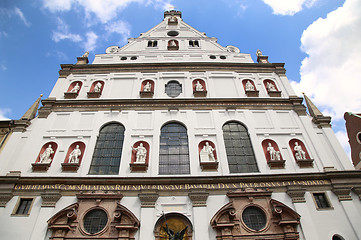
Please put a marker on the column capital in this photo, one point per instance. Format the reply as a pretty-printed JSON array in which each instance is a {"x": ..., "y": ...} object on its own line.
[
  {"x": 148, "y": 199},
  {"x": 50, "y": 198},
  {"x": 343, "y": 193},
  {"x": 297, "y": 194},
  {"x": 198, "y": 198}
]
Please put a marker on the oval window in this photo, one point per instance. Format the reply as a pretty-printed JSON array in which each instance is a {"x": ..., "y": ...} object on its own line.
[
  {"x": 172, "y": 33},
  {"x": 95, "y": 221},
  {"x": 254, "y": 218}
]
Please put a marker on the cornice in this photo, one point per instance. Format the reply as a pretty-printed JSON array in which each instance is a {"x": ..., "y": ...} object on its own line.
[
  {"x": 67, "y": 69},
  {"x": 167, "y": 104}
]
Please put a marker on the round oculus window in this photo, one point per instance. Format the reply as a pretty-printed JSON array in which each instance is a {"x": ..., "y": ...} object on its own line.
[
  {"x": 95, "y": 221},
  {"x": 172, "y": 33},
  {"x": 254, "y": 218}
]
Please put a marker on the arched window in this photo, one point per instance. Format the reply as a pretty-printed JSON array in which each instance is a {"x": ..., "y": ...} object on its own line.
[
  {"x": 173, "y": 152},
  {"x": 239, "y": 149},
  {"x": 173, "y": 89},
  {"x": 108, "y": 150}
]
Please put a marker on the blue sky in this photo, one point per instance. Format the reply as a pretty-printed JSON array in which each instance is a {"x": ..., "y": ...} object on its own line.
[{"x": 319, "y": 40}]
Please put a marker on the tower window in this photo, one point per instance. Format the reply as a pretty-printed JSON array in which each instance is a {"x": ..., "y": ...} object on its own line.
[
  {"x": 152, "y": 43},
  {"x": 240, "y": 155},
  {"x": 108, "y": 150},
  {"x": 23, "y": 206},
  {"x": 321, "y": 200},
  {"x": 193, "y": 43}
]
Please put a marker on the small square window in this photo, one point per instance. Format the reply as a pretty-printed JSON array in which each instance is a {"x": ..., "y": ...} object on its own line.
[
  {"x": 23, "y": 206},
  {"x": 322, "y": 201}
]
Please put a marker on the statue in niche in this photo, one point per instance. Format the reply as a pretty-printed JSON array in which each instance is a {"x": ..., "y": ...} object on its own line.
[
  {"x": 174, "y": 236},
  {"x": 173, "y": 19},
  {"x": 271, "y": 87},
  {"x": 45, "y": 156},
  {"x": 76, "y": 88},
  {"x": 274, "y": 155},
  {"x": 258, "y": 53},
  {"x": 299, "y": 153},
  {"x": 172, "y": 43},
  {"x": 207, "y": 154},
  {"x": 74, "y": 155},
  {"x": 141, "y": 154},
  {"x": 98, "y": 87},
  {"x": 249, "y": 86},
  {"x": 199, "y": 87},
  {"x": 86, "y": 54},
  {"x": 147, "y": 87}
]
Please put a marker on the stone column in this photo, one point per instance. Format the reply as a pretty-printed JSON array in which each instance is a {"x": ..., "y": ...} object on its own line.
[
  {"x": 147, "y": 213},
  {"x": 343, "y": 194},
  {"x": 201, "y": 223},
  {"x": 299, "y": 201}
]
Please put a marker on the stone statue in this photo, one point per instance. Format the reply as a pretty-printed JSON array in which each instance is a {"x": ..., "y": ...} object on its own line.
[
  {"x": 74, "y": 155},
  {"x": 258, "y": 53},
  {"x": 173, "y": 43},
  {"x": 199, "y": 87},
  {"x": 174, "y": 236},
  {"x": 75, "y": 89},
  {"x": 86, "y": 54},
  {"x": 45, "y": 156},
  {"x": 207, "y": 154},
  {"x": 249, "y": 86},
  {"x": 299, "y": 153},
  {"x": 147, "y": 87},
  {"x": 141, "y": 154},
  {"x": 271, "y": 87},
  {"x": 98, "y": 87},
  {"x": 274, "y": 155}
]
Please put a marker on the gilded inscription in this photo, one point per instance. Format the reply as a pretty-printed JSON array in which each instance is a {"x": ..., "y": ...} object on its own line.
[{"x": 169, "y": 187}]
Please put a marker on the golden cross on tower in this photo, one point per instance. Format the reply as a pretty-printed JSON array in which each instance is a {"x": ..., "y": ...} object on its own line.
[{"x": 171, "y": 7}]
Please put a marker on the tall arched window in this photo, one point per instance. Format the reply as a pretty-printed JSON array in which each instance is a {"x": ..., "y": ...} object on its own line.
[
  {"x": 239, "y": 149},
  {"x": 108, "y": 150},
  {"x": 173, "y": 152}
]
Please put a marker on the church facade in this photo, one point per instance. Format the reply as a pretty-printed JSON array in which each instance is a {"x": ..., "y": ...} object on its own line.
[{"x": 174, "y": 136}]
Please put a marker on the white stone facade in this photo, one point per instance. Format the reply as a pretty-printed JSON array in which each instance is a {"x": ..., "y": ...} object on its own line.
[{"x": 282, "y": 118}]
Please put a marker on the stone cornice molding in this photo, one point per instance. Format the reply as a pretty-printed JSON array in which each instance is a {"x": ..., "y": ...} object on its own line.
[
  {"x": 6, "y": 193},
  {"x": 292, "y": 103},
  {"x": 67, "y": 69}
]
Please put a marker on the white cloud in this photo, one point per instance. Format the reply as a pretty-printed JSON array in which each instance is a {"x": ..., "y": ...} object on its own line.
[
  {"x": 20, "y": 14},
  {"x": 104, "y": 10},
  {"x": 58, "y": 54},
  {"x": 58, "y": 5},
  {"x": 91, "y": 41},
  {"x": 3, "y": 34},
  {"x": 3, "y": 67},
  {"x": 120, "y": 27},
  {"x": 330, "y": 75},
  {"x": 3, "y": 112},
  {"x": 288, "y": 7},
  {"x": 63, "y": 33},
  {"x": 15, "y": 12}
]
